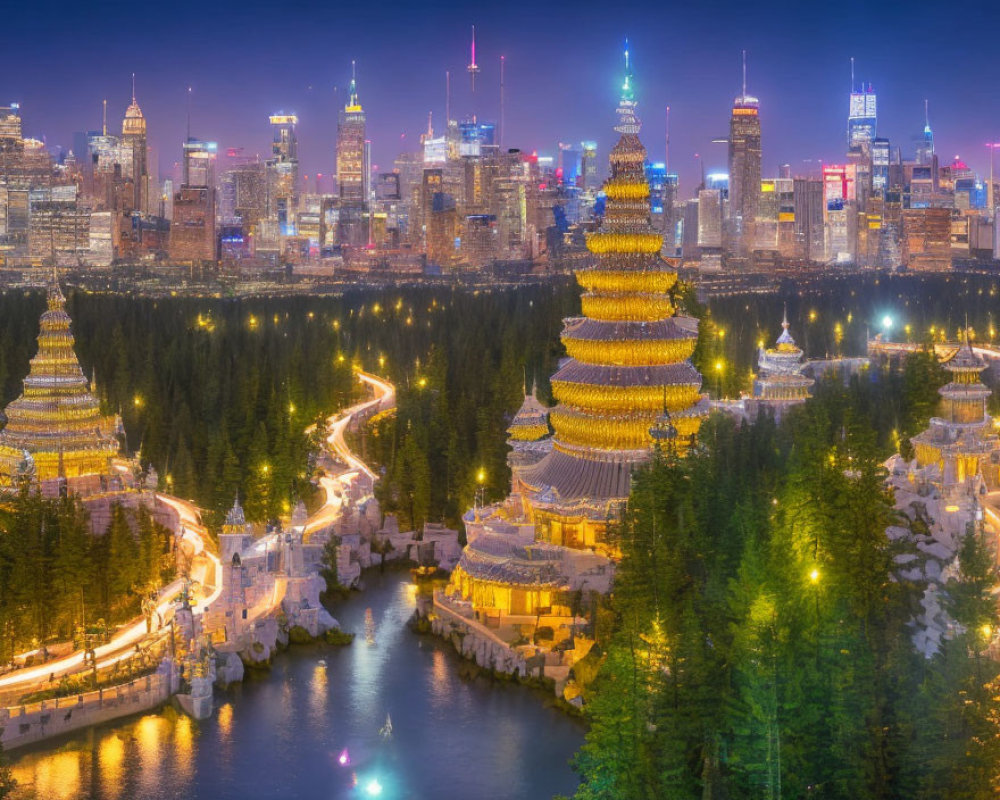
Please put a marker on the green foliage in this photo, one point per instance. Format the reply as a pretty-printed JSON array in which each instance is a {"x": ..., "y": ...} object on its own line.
[
  {"x": 762, "y": 646},
  {"x": 55, "y": 575}
]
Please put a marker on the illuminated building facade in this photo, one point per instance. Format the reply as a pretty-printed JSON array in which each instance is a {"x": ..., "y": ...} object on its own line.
[
  {"x": 862, "y": 118},
  {"x": 10, "y": 129},
  {"x": 780, "y": 382},
  {"x": 192, "y": 228},
  {"x": 55, "y": 428},
  {"x": 960, "y": 444},
  {"x": 136, "y": 152},
  {"x": 744, "y": 164},
  {"x": 352, "y": 181},
  {"x": 283, "y": 173}
]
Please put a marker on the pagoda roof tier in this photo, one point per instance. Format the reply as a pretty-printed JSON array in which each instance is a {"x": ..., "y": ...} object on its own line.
[
  {"x": 965, "y": 391},
  {"x": 656, "y": 375},
  {"x": 531, "y": 420},
  {"x": 583, "y": 473},
  {"x": 497, "y": 558},
  {"x": 594, "y": 330},
  {"x": 616, "y": 276},
  {"x": 965, "y": 360}
]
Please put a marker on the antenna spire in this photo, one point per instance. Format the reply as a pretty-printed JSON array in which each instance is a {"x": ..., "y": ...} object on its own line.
[
  {"x": 852, "y": 75},
  {"x": 133, "y": 87},
  {"x": 473, "y": 67},
  {"x": 447, "y": 99},
  {"x": 666, "y": 149},
  {"x": 502, "y": 59},
  {"x": 189, "y": 115},
  {"x": 104, "y": 119},
  {"x": 352, "y": 99},
  {"x": 744, "y": 73}
]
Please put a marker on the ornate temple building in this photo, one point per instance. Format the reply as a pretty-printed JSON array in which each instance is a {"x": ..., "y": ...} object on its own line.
[
  {"x": 528, "y": 435},
  {"x": 949, "y": 488},
  {"x": 627, "y": 383},
  {"x": 55, "y": 429},
  {"x": 629, "y": 360},
  {"x": 780, "y": 382},
  {"x": 961, "y": 443}
]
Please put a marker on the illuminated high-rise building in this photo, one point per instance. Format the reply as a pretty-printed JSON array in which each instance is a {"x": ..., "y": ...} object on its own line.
[
  {"x": 925, "y": 149},
  {"x": 192, "y": 229},
  {"x": 10, "y": 128},
  {"x": 351, "y": 147},
  {"x": 744, "y": 161},
  {"x": 352, "y": 181},
  {"x": 136, "y": 154},
  {"x": 862, "y": 117},
  {"x": 283, "y": 173},
  {"x": 588, "y": 167}
]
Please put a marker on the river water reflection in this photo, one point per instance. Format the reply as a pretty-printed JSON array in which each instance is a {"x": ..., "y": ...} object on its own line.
[{"x": 281, "y": 735}]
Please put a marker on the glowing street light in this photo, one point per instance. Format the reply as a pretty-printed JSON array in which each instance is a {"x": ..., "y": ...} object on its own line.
[
  {"x": 814, "y": 575},
  {"x": 373, "y": 788},
  {"x": 887, "y": 323},
  {"x": 481, "y": 476}
]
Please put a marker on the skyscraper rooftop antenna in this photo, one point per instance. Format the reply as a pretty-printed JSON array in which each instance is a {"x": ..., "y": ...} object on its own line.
[
  {"x": 666, "y": 149},
  {"x": 744, "y": 73},
  {"x": 852, "y": 75},
  {"x": 927, "y": 116},
  {"x": 473, "y": 67},
  {"x": 501, "y": 102},
  {"x": 447, "y": 99},
  {"x": 189, "y": 115},
  {"x": 104, "y": 118},
  {"x": 133, "y": 87},
  {"x": 352, "y": 100}
]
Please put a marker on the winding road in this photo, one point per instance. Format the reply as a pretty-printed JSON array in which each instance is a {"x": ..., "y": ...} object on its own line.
[{"x": 206, "y": 569}]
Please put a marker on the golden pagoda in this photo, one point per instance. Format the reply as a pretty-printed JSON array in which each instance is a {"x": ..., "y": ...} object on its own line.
[
  {"x": 528, "y": 433},
  {"x": 961, "y": 443},
  {"x": 629, "y": 363},
  {"x": 780, "y": 382},
  {"x": 55, "y": 428}
]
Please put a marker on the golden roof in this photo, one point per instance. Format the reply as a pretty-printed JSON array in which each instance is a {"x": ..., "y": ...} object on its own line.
[{"x": 56, "y": 420}]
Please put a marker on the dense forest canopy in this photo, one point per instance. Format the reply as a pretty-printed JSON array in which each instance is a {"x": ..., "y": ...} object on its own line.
[
  {"x": 218, "y": 393},
  {"x": 762, "y": 639}
]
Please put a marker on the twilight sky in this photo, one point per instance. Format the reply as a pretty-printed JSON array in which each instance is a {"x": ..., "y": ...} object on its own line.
[{"x": 247, "y": 60}]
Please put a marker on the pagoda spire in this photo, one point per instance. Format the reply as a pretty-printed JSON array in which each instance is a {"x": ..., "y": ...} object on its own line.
[
  {"x": 628, "y": 122},
  {"x": 352, "y": 101}
]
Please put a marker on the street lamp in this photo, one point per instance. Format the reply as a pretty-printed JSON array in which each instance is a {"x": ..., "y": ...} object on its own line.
[{"x": 481, "y": 480}]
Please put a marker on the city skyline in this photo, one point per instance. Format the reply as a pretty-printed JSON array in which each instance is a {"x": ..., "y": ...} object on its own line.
[{"x": 697, "y": 77}]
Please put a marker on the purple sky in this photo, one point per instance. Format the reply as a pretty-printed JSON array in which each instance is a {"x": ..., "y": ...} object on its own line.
[{"x": 245, "y": 61}]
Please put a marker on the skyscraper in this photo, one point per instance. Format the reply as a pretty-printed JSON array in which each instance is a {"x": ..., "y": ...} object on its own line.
[
  {"x": 862, "y": 117},
  {"x": 135, "y": 145},
  {"x": 925, "y": 150},
  {"x": 352, "y": 181},
  {"x": 192, "y": 229},
  {"x": 351, "y": 147},
  {"x": 744, "y": 161},
  {"x": 10, "y": 128},
  {"x": 283, "y": 173}
]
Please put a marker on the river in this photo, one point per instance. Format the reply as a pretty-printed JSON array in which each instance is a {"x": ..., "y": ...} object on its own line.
[{"x": 281, "y": 734}]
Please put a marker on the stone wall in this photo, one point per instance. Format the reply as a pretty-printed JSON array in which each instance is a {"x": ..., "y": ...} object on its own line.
[{"x": 22, "y": 725}]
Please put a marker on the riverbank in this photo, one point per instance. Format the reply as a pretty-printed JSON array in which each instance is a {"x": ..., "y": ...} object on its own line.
[{"x": 279, "y": 732}]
